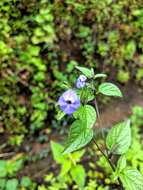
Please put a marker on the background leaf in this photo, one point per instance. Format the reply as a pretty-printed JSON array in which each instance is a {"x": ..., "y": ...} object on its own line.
[
  {"x": 76, "y": 156},
  {"x": 3, "y": 171},
  {"x": 119, "y": 138},
  {"x": 66, "y": 166},
  {"x": 12, "y": 184},
  {"x": 78, "y": 175},
  {"x": 109, "y": 89},
  {"x": 26, "y": 181},
  {"x": 57, "y": 150}
]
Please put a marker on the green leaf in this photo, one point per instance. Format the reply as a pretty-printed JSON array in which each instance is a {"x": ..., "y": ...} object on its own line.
[
  {"x": 79, "y": 136},
  {"x": 13, "y": 167},
  {"x": 103, "y": 48},
  {"x": 2, "y": 183},
  {"x": 132, "y": 179},
  {"x": 86, "y": 94},
  {"x": 26, "y": 181},
  {"x": 12, "y": 184},
  {"x": 89, "y": 73},
  {"x": 66, "y": 166},
  {"x": 57, "y": 150},
  {"x": 87, "y": 115},
  {"x": 3, "y": 171},
  {"x": 129, "y": 50},
  {"x": 60, "y": 115},
  {"x": 121, "y": 163},
  {"x": 100, "y": 76},
  {"x": 76, "y": 156},
  {"x": 119, "y": 138},
  {"x": 109, "y": 89},
  {"x": 78, "y": 175}
]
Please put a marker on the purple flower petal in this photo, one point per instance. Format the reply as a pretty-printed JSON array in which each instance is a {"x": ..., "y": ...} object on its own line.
[
  {"x": 61, "y": 101},
  {"x": 69, "y": 110},
  {"x": 82, "y": 78},
  {"x": 76, "y": 104},
  {"x": 69, "y": 95},
  {"x": 69, "y": 101},
  {"x": 81, "y": 81}
]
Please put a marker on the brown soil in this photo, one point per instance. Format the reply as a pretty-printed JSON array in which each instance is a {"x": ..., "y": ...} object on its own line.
[{"x": 119, "y": 109}]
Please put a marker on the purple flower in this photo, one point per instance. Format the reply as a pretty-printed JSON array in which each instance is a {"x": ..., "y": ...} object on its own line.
[
  {"x": 81, "y": 81},
  {"x": 69, "y": 102}
]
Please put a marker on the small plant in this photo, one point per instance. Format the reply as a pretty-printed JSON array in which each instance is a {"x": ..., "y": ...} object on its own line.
[
  {"x": 78, "y": 102},
  {"x": 71, "y": 169}
]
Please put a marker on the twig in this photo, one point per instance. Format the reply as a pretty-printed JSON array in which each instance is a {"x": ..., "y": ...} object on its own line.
[
  {"x": 6, "y": 154},
  {"x": 3, "y": 146}
]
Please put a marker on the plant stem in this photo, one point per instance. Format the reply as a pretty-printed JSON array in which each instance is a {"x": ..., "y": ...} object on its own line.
[
  {"x": 100, "y": 124},
  {"x": 109, "y": 161},
  {"x": 98, "y": 115},
  {"x": 107, "y": 156}
]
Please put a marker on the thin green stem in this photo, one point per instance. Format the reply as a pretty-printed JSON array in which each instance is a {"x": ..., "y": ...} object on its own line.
[
  {"x": 105, "y": 156},
  {"x": 100, "y": 124},
  {"x": 109, "y": 161}
]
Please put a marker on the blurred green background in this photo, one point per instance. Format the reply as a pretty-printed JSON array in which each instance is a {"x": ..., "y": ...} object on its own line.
[{"x": 41, "y": 41}]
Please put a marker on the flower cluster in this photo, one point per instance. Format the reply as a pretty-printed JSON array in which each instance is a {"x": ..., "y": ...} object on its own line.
[{"x": 69, "y": 101}]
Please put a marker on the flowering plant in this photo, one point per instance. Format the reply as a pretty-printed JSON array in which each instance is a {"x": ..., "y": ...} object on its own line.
[{"x": 81, "y": 103}]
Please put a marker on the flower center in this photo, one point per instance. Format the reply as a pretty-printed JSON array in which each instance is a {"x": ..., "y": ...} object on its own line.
[{"x": 69, "y": 101}]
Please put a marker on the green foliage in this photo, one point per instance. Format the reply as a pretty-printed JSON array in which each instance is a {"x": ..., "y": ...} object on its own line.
[
  {"x": 78, "y": 175},
  {"x": 131, "y": 179},
  {"x": 121, "y": 163},
  {"x": 87, "y": 115},
  {"x": 10, "y": 167},
  {"x": 8, "y": 172},
  {"x": 100, "y": 76},
  {"x": 98, "y": 172},
  {"x": 139, "y": 74},
  {"x": 3, "y": 171},
  {"x": 38, "y": 40},
  {"x": 135, "y": 153},
  {"x": 119, "y": 138},
  {"x": 26, "y": 182},
  {"x": 123, "y": 76},
  {"x": 69, "y": 164},
  {"x": 79, "y": 136},
  {"x": 81, "y": 132},
  {"x": 57, "y": 150},
  {"x": 109, "y": 89},
  {"x": 12, "y": 184},
  {"x": 130, "y": 50},
  {"x": 87, "y": 72},
  {"x": 2, "y": 183},
  {"x": 42, "y": 39},
  {"x": 103, "y": 49}
]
